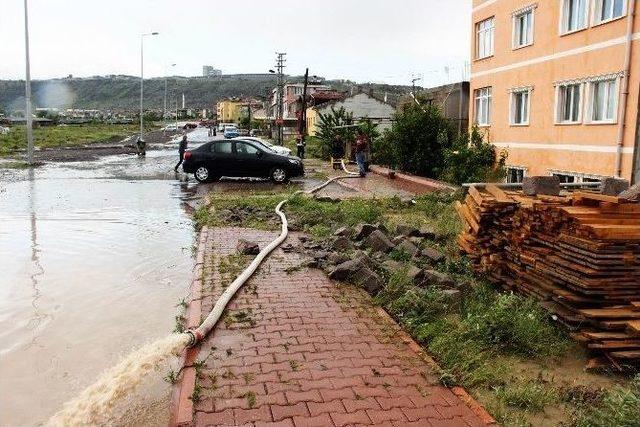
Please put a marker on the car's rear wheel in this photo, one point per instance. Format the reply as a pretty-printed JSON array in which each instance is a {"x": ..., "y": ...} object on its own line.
[
  {"x": 279, "y": 175},
  {"x": 202, "y": 174}
]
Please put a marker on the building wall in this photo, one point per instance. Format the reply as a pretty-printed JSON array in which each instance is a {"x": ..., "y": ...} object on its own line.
[
  {"x": 543, "y": 146},
  {"x": 228, "y": 111},
  {"x": 360, "y": 105}
]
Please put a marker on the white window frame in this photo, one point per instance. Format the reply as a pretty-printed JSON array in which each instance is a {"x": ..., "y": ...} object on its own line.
[
  {"x": 512, "y": 105},
  {"x": 592, "y": 96},
  {"x": 559, "y": 104},
  {"x": 480, "y": 95},
  {"x": 579, "y": 176},
  {"x": 483, "y": 35},
  {"x": 515, "y": 168},
  {"x": 515, "y": 39},
  {"x": 564, "y": 17},
  {"x": 597, "y": 11}
]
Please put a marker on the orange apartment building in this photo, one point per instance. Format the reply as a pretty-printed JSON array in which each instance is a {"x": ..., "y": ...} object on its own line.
[{"x": 556, "y": 83}]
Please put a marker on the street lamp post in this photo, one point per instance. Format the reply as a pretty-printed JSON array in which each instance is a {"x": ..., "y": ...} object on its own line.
[
  {"x": 28, "y": 88},
  {"x": 142, "y": 36},
  {"x": 164, "y": 116}
]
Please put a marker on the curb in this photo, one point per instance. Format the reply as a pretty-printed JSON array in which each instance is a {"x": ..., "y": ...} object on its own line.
[
  {"x": 460, "y": 392},
  {"x": 181, "y": 406},
  {"x": 426, "y": 183}
]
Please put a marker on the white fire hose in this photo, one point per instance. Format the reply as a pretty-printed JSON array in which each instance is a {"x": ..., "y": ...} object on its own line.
[{"x": 198, "y": 334}]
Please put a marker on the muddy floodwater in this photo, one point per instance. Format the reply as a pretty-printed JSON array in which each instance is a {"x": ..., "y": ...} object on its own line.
[{"x": 94, "y": 257}]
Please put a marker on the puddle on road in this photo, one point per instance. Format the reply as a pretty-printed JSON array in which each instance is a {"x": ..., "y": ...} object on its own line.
[{"x": 93, "y": 265}]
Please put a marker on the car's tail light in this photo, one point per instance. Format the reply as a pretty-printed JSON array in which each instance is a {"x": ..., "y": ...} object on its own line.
[{"x": 187, "y": 155}]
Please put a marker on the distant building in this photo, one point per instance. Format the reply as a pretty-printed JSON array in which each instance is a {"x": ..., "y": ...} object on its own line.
[
  {"x": 228, "y": 110},
  {"x": 292, "y": 93},
  {"x": 209, "y": 71},
  {"x": 361, "y": 105},
  {"x": 452, "y": 99}
]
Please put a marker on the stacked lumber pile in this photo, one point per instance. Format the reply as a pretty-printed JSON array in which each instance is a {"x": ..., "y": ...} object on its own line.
[{"x": 578, "y": 254}]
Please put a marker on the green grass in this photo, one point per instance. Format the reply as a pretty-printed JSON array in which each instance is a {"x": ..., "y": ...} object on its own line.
[
  {"x": 63, "y": 136},
  {"x": 619, "y": 406},
  {"x": 15, "y": 165},
  {"x": 530, "y": 396}
]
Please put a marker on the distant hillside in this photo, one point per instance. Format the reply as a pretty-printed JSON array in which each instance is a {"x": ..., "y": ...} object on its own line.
[{"x": 122, "y": 92}]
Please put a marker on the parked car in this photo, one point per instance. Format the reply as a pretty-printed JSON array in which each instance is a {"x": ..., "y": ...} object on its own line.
[
  {"x": 243, "y": 132},
  {"x": 171, "y": 128},
  {"x": 231, "y": 132},
  {"x": 277, "y": 148},
  {"x": 240, "y": 158},
  {"x": 255, "y": 132}
]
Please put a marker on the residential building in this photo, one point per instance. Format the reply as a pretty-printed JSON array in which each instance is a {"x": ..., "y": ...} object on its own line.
[
  {"x": 556, "y": 84},
  {"x": 361, "y": 105},
  {"x": 209, "y": 71},
  {"x": 229, "y": 110},
  {"x": 452, "y": 99},
  {"x": 292, "y": 93}
]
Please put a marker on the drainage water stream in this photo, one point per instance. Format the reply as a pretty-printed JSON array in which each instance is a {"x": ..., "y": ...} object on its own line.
[{"x": 90, "y": 255}]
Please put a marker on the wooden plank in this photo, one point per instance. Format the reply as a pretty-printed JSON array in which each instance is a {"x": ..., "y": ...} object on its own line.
[
  {"x": 498, "y": 194},
  {"x": 633, "y": 327}
]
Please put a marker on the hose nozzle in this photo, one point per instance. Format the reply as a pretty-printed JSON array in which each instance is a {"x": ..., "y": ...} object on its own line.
[{"x": 194, "y": 338}]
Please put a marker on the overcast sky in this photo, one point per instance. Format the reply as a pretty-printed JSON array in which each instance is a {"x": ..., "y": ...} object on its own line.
[{"x": 363, "y": 40}]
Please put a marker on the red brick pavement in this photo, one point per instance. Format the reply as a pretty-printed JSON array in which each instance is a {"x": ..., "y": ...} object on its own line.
[{"x": 307, "y": 352}]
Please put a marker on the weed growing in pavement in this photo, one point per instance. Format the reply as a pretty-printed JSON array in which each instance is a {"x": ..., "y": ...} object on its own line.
[
  {"x": 171, "y": 377},
  {"x": 196, "y": 395},
  {"x": 180, "y": 323},
  {"x": 248, "y": 377},
  {"x": 251, "y": 399},
  {"x": 294, "y": 365}
]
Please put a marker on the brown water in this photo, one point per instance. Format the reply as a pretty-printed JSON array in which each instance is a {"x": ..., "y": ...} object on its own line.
[{"x": 94, "y": 258}]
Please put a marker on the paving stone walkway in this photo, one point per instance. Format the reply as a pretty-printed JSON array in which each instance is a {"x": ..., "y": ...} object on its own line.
[{"x": 297, "y": 349}]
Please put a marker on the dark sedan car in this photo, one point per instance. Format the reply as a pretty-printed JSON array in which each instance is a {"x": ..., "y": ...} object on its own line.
[{"x": 240, "y": 158}]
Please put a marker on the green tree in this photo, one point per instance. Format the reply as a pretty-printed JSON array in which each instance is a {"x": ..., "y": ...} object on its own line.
[
  {"x": 330, "y": 125},
  {"x": 416, "y": 141},
  {"x": 472, "y": 159}
]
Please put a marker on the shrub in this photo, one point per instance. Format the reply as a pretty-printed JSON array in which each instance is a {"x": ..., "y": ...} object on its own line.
[
  {"x": 416, "y": 141},
  {"x": 472, "y": 159}
]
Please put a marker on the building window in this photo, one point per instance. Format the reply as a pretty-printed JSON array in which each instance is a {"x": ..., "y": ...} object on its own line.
[
  {"x": 564, "y": 178},
  {"x": 608, "y": 10},
  {"x": 515, "y": 175},
  {"x": 483, "y": 106},
  {"x": 574, "y": 15},
  {"x": 603, "y": 97},
  {"x": 569, "y": 103},
  {"x": 484, "y": 38},
  {"x": 520, "y": 106},
  {"x": 523, "y": 29}
]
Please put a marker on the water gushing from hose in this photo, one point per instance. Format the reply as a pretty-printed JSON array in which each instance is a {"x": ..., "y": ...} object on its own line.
[{"x": 94, "y": 404}]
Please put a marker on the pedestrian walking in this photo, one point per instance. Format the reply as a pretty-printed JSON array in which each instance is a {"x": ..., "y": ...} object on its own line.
[
  {"x": 300, "y": 146},
  {"x": 337, "y": 151},
  {"x": 362, "y": 142},
  {"x": 181, "y": 149}
]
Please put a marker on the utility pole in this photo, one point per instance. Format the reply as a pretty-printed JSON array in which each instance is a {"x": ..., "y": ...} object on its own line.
[
  {"x": 142, "y": 36},
  {"x": 28, "y": 88},
  {"x": 302, "y": 124},
  {"x": 164, "y": 116},
  {"x": 413, "y": 84},
  {"x": 280, "y": 94}
]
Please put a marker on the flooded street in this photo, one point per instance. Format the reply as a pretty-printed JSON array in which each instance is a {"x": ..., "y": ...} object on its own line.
[{"x": 95, "y": 257}]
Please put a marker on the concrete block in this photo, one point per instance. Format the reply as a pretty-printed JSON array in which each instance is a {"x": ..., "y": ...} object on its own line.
[
  {"x": 545, "y": 185},
  {"x": 614, "y": 186}
]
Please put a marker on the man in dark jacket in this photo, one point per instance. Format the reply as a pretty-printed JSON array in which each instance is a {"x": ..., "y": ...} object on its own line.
[
  {"x": 362, "y": 142},
  {"x": 181, "y": 149}
]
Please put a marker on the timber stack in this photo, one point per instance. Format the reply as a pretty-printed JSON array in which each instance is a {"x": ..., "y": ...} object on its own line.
[{"x": 579, "y": 254}]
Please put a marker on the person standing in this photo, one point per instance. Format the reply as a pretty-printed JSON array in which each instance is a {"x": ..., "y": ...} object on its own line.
[
  {"x": 362, "y": 143},
  {"x": 300, "y": 146},
  {"x": 181, "y": 149}
]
